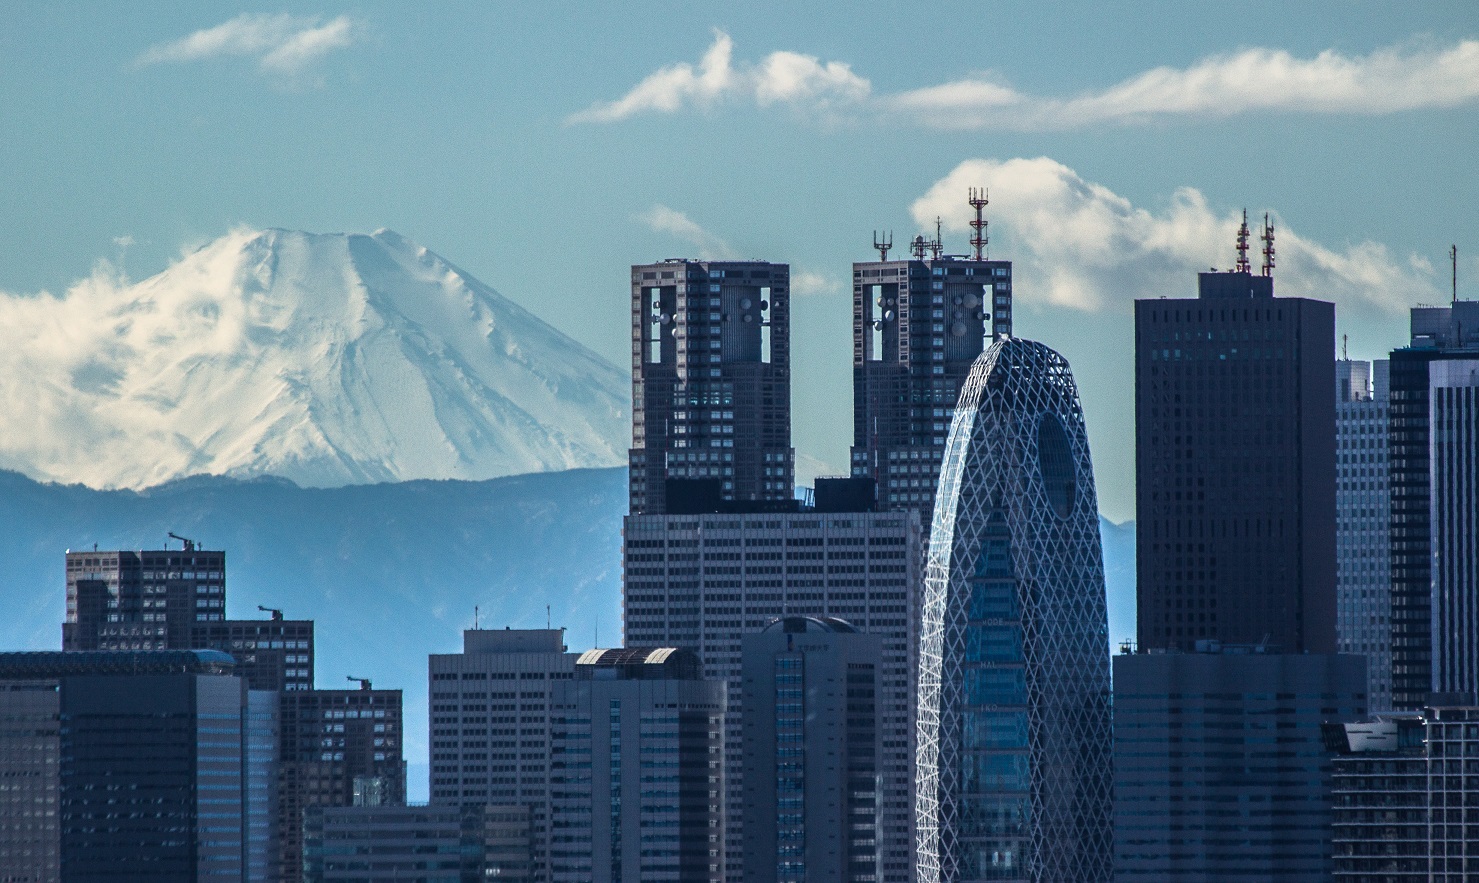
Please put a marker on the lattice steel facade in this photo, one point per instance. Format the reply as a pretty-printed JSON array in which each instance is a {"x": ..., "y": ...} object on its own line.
[{"x": 1014, "y": 740}]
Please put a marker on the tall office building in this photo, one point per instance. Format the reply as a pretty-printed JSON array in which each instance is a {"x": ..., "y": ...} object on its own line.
[
  {"x": 917, "y": 325},
  {"x": 711, "y": 385},
  {"x": 813, "y": 779},
  {"x": 270, "y": 654},
  {"x": 1014, "y": 719},
  {"x": 122, "y": 766},
  {"x": 1220, "y": 766},
  {"x": 1421, "y": 535},
  {"x": 1363, "y": 589},
  {"x": 1235, "y": 466},
  {"x": 703, "y": 581},
  {"x": 142, "y": 600},
  {"x": 636, "y": 769},
  {"x": 333, "y": 743},
  {"x": 1404, "y": 788},
  {"x": 1453, "y": 418},
  {"x": 490, "y": 724}
]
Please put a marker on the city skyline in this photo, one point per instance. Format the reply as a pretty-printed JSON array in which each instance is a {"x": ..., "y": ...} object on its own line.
[{"x": 527, "y": 150}]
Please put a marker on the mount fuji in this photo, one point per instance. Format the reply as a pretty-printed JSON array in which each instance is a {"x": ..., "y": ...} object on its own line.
[{"x": 325, "y": 359}]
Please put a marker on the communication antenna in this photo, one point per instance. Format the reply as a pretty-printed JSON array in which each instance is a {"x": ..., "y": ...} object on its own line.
[
  {"x": 936, "y": 246},
  {"x": 474, "y": 617},
  {"x": 1345, "y": 340},
  {"x": 979, "y": 238},
  {"x": 918, "y": 247},
  {"x": 1243, "y": 265},
  {"x": 1268, "y": 246},
  {"x": 1453, "y": 260},
  {"x": 546, "y": 616},
  {"x": 883, "y": 245}
]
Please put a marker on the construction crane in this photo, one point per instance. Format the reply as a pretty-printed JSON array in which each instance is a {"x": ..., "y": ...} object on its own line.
[
  {"x": 189, "y": 544},
  {"x": 276, "y": 614},
  {"x": 364, "y": 683}
]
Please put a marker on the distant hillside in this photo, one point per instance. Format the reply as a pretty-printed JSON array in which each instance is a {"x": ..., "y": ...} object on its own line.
[{"x": 391, "y": 572}]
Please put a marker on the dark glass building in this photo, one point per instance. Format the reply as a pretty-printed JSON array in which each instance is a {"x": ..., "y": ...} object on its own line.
[
  {"x": 1235, "y": 467},
  {"x": 711, "y": 385},
  {"x": 917, "y": 325},
  {"x": 270, "y": 654},
  {"x": 813, "y": 774},
  {"x": 1439, "y": 334},
  {"x": 129, "y": 765},
  {"x": 334, "y": 743}
]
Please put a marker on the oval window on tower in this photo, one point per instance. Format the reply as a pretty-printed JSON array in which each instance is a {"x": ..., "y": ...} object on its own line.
[{"x": 1055, "y": 464}]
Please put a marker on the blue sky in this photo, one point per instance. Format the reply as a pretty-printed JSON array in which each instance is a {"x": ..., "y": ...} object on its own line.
[{"x": 544, "y": 148}]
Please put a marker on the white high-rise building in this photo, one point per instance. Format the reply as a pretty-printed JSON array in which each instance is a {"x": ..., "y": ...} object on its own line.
[
  {"x": 704, "y": 581},
  {"x": 1363, "y": 570}
]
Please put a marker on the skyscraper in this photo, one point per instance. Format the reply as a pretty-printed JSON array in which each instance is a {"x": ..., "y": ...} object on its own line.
[
  {"x": 1362, "y": 504},
  {"x": 812, "y": 775},
  {"x": 636, "y": 769},
  {"x": 1235, "y": 467},
  {"x": 142, "y": 600},
  {"x": 917, "y": 326},
  {"x": 1422, "y": 526},
  {"x": 1014, "y": 721},
  {"x": 711, "y": 385},
  {"x": 703, "y": 581},
  {"x": 145, "y": 779}
]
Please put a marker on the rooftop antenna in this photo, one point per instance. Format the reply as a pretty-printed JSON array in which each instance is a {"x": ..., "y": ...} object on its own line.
[
  {"x": 189, "y": 544},
  {"x": 979, "y": 238},
  {"x": 883, "y": 245},
  {"x": 1345, "y": 340},
  {"x": 364, "y": 683},
  {"x": 918, "y": 247},
  {"x": 1243, "y": 265},
  {"x": 1268, "y": 246},
  {"x": 1453, "y": 260},
  {"x": 936, "y": 246},
  {"x": 546, "y": 617},
  {"x": 475, "y": 613},
  {"x": 276, "y": 614}
]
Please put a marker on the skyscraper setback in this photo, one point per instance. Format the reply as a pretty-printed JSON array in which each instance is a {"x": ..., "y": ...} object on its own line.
[
  {"x": 711, "y": 385},
  {"x": 918, "y": 324},
  {"x": 1235, "y": 467}
]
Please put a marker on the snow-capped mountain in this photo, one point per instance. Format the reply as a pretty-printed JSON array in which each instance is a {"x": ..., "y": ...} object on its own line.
[{"x": 326, "y": 359}]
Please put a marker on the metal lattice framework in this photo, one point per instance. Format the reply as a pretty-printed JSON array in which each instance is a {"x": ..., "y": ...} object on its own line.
[{"x": 1014, "y": 750}]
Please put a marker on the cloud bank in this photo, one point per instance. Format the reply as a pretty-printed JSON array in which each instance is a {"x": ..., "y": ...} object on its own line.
[
  {"x": 1076, "y": 243},
  {"x": 677, "y": 224},
  {"x": 1389, "y": 80},
  {"x": 281, "y": 44}
]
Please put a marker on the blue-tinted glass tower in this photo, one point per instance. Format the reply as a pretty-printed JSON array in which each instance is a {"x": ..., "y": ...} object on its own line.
[{"x": 1014, "y": 749}]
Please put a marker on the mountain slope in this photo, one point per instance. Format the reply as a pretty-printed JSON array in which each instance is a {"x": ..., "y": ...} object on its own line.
[{"x": 327, "y": 359}]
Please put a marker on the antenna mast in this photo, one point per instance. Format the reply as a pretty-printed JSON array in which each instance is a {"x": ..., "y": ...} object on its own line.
[
  {"x": 883, "y": 245},
  {"x": 1268, "y": 246},
  {"x": 918, "y": 246},
  {"x": 936, "y": 246},
  {"x": 1453, "y": 260},
  {"x": 1345, "y": 340},
  {"x": 1243, "y": 265},
  {"x": 979, "y": 237}
]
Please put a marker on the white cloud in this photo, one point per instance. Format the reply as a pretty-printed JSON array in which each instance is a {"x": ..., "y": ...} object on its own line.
[
  {"x": 281, "y": 44},
  {"x": 1076, "y": 243},
  {"x": 807, "y": 283},
  {"x": 1388, "y": 80},
  {"x": 790, "y": 78},
  {"x": 666, "y": 220}
]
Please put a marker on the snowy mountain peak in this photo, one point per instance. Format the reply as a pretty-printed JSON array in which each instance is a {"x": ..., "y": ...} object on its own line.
[{"x": 327, "y": 359}]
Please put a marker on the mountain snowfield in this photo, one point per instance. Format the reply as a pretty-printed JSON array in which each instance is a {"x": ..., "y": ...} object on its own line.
[{"x": 326, "y": 359}]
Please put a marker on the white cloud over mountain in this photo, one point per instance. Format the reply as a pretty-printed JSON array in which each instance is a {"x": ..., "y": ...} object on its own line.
[
  {"x": 1389, "y": 80},
  {"x": 1078, "y": 244},
  {"x": 281, "y": 44},
  {"x": 326, "y": 359}
]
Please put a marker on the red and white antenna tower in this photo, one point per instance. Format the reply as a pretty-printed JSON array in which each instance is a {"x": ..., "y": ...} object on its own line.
[
  {"x": 979, "y": 237},
  {"x": 1243, "y": 265},
  {"x": 1268, "y": 246}
]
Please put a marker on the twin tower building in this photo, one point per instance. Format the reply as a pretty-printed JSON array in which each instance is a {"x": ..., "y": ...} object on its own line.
[{"x": 965, "y": 540}]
